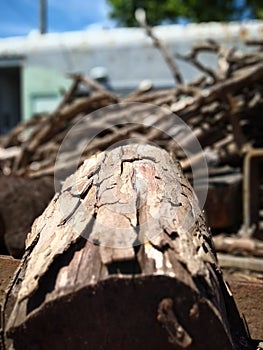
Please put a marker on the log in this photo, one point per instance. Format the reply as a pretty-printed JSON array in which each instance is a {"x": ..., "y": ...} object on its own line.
[
  {"x": 122, "y": 259},
  {"x": 238, "y": 245},
  {"x": 8, "y": 265},
  {"x": 240, "y": 262},
  {"x": 22, "y": 200}
]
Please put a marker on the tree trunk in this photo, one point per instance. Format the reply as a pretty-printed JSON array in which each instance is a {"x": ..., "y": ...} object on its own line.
[
  {"x": 8, "y": 265},
  {"x": 122, "y": 259},
  {"x": 22, "y": 200}
]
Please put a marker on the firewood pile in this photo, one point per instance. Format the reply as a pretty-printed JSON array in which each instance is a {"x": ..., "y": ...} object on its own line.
[{"x": 222, "y": 108}]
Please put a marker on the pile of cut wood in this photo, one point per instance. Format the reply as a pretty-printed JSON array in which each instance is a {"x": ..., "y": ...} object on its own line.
[{"x": 222, "y": 108}]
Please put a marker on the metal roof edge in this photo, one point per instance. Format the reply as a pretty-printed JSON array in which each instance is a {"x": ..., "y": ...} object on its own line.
[{"x": 121, "y": 37}]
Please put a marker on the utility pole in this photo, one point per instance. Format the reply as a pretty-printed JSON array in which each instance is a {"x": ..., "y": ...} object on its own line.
[{"x": 43, "y": 16}]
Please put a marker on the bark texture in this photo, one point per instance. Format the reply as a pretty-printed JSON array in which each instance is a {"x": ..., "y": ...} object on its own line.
[{"x": 122, "y": 259}]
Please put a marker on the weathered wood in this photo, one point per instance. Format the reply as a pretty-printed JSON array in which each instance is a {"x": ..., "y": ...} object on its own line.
[
  {"x": 96, "y": 86},
  {"x": 230, "y": 105},
  {"x": 8, "y": 265},
  {"x": 240, "y": 262},
  {"x": 21, "y": 202},
  {"x": 122, "y": 259},
  {"x": 238, "y": 245},
  {"x": 7, "y": 153}
]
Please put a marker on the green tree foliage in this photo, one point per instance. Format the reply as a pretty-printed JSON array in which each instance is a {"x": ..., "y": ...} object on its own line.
[{"x": 169, "y": 11}]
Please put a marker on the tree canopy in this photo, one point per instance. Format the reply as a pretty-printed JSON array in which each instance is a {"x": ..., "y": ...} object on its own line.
[{"x": 170, "y": 11}]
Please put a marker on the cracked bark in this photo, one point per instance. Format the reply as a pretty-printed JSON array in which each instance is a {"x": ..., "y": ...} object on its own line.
[{"x": 122, "y": 259}]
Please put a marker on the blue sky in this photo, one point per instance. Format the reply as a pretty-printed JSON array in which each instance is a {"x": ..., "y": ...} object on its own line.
[{"x": 19, "y": 17}]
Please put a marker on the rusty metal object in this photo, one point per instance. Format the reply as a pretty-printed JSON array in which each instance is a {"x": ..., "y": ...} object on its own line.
[{"x": 223, "y": 197}]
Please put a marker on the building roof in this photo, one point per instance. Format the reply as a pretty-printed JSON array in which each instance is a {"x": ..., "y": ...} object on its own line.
[{"x": 128, "y": 37}]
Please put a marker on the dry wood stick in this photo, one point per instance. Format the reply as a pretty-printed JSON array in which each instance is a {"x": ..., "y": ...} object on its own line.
[
  {"x": 94, "y": 85},
  {"x": 196, "y": 63},
  {"x": 159, "y": 45},
  {"x": 69, "y": 94}
]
